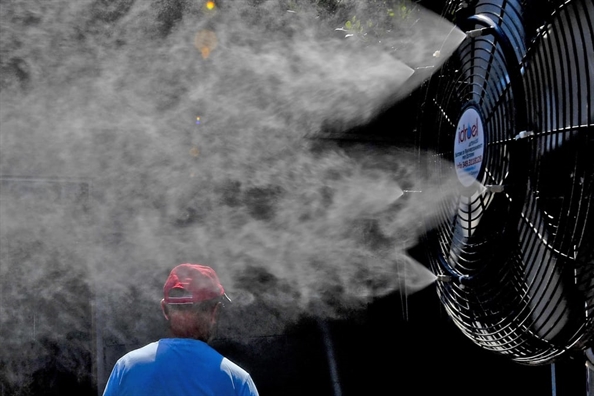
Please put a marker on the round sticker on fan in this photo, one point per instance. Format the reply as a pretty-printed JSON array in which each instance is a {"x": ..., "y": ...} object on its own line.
[{"x": 469, "y": 146}]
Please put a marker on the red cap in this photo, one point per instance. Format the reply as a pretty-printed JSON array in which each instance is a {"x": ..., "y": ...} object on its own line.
[{"x": 196, "y": 282}]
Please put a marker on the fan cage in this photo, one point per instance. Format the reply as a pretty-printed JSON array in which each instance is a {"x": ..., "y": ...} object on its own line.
[{"x": 526, "y": 253}]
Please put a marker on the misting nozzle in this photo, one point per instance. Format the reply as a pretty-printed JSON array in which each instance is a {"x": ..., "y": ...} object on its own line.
[
  {"x": 444, "y": 278},
  {"x": 462, "y": 279}
]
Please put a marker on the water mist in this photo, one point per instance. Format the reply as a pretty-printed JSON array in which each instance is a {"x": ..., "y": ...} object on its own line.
[{"x": 138, "y": 135}]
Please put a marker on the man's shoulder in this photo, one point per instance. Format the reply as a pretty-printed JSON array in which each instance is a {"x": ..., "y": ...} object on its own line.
[
  {"x": 146, "y": 352},
  {"x": 234, "y": 369},
  {"x": 245, "y": 383}
]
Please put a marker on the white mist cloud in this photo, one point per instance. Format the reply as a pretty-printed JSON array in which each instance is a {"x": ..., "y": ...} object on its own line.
[{"x": 110, "y": 92}]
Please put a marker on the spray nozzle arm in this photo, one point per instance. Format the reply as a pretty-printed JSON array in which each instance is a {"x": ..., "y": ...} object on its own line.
[{"x": 462, "y": 279}]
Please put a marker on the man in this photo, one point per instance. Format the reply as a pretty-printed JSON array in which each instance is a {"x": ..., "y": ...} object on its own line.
[{"x": 184, "y": 364}]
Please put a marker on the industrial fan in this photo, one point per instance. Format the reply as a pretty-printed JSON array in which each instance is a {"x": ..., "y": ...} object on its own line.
[{"x": 510, "y": 114}]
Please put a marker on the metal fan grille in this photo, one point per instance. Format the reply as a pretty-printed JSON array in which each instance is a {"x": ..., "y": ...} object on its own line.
[{"x": 521, "y": 231}]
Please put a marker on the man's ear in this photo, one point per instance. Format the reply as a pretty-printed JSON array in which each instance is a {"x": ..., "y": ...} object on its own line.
[{"x": 165, "y": 309}]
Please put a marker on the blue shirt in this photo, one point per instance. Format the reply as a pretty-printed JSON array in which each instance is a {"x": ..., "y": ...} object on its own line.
[{"x": 178, "y": 366}]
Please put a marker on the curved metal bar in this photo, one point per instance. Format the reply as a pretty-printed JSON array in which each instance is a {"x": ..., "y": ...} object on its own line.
[
  {"x": 512, "y": 63},
  {"x": 452, "y": 275}
]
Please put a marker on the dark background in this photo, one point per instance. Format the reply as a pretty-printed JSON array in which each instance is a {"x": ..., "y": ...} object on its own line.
[{"x": 382, "y": 352}]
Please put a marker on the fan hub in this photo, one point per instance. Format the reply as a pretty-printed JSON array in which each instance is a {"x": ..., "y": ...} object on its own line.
[{"x": 469, "y": 146}]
